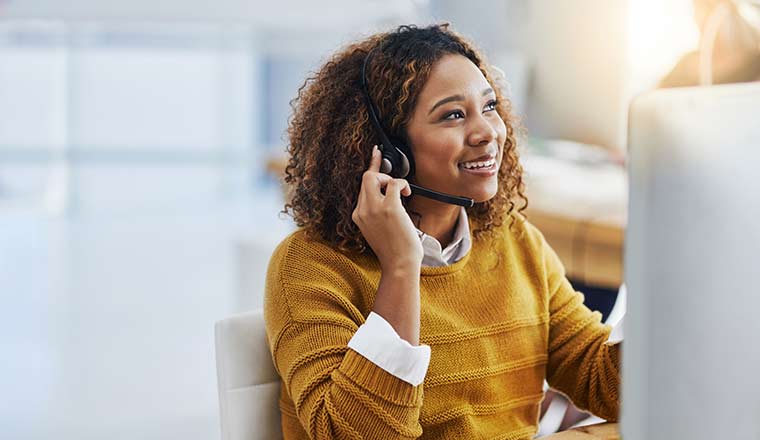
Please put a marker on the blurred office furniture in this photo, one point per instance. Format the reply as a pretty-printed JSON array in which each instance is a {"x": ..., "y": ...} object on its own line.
[
  {"x": 602, "y": 431},
  {"x": 577, "y": 197},
  {"x": 249, "y": 387},
  {"x": 691, "y": 262}
]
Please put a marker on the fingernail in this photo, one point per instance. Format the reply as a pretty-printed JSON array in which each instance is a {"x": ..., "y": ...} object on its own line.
[{"x": 374, "y": 149}]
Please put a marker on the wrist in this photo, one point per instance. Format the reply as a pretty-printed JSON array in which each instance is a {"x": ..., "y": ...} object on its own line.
[
  {"x": 401, "y": 261},
  {"x": 401, "y": 269},
  {"x": 398, "y": 300}
]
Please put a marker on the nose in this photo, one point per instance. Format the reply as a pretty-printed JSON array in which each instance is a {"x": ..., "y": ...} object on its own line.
[{"x": 481, "y": 131}]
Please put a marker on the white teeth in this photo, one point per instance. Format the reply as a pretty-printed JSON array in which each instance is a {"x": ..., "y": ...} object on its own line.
[{"x": 473, "y": 165}]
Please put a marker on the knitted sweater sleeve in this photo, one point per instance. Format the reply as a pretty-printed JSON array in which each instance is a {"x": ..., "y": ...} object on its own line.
[
  {"x": 580, "y": 364},
  {"x": 336, "y": 392}
]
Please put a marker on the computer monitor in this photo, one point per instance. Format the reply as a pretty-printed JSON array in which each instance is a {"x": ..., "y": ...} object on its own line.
[{"x": 691, "y": 357}]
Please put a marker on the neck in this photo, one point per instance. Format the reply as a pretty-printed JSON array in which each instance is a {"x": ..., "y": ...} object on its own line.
[{"x": 434, "y": 218}]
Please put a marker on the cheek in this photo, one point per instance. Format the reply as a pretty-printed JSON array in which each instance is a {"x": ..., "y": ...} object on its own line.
[
  {"x": 502, "y": 130},
  {"x": 436, "y": 164},
  {"x": 434, "y": 151}
]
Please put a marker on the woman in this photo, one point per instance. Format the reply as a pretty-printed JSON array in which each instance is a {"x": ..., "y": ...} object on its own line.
[{"x": 380, "y": 297}]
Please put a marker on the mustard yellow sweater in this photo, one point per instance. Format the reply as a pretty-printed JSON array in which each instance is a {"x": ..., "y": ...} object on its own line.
[{"x": 499, "y": 321}]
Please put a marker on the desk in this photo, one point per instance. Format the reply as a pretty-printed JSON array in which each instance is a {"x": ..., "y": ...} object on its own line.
[
  {"x": 602, "y": 431},
  {"x": 582, "y": 211}
]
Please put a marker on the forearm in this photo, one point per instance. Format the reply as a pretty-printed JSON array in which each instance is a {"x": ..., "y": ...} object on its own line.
[
  {"x": 581, "y": 363},
  {"x": 398, "y": 301},
  {"x": 337, "y": 393}
]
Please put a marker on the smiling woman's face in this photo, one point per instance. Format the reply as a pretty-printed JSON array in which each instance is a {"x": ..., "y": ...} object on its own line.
[{"x": 455, "y": 133}]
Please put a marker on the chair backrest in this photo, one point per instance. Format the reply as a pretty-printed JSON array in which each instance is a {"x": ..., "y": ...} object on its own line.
[{"x": 249, "y": 387}]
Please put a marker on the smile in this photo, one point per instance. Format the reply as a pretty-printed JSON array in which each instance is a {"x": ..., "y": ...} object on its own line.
[
  {"x": 478, "y": 164},
  {"x": 480, "y": 168}
]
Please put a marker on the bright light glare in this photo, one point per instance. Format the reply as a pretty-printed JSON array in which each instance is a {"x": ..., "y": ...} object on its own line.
[{"x": 660, "y": 32}]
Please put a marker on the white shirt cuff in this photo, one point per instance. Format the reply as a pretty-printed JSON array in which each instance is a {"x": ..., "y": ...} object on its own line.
[
  {"x": 616, "y": 335},
  {"x": 377, "y": 341}
]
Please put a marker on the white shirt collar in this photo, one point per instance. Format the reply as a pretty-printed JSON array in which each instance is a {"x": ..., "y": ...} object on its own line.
[{"x": 458, "y": 248}]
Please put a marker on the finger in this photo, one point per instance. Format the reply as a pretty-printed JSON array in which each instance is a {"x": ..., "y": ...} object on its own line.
[
  {"x": 375, "y": 160},
  {"x": 374, "y": 182},
  {"x": 406, "y": 191},
  {"x": 393, "y": 190},
  {"x": 371, "y": 194},
  {"x": 370, "y": 197}
]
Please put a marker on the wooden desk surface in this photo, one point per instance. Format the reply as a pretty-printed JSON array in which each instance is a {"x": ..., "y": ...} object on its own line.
[{"x": 602, "y": 431}]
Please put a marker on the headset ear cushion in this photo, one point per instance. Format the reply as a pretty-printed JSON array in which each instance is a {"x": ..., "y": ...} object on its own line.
[
  {"x": 389, "y": 161},
  {"x": 395, "y": 162},
  {"x": 385, "y": 166}
]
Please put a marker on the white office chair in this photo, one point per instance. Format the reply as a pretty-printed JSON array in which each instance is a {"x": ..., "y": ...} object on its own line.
[{"x": 249, "y": 387}]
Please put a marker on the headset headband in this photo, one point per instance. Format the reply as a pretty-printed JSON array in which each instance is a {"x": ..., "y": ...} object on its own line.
[{"x": 373, "y": 112}]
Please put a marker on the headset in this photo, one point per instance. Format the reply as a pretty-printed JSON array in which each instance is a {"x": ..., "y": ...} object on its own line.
[{"x": 397, "y": 159}]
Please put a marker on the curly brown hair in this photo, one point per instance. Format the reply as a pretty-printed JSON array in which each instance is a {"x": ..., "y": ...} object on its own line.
[{"x": 331, "y": 137}]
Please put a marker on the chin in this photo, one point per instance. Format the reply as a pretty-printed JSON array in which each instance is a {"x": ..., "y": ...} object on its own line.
[{"x": 484, "y": 195}]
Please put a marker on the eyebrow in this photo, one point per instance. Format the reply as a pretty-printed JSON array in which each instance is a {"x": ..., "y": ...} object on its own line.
[{"x": 456, "y": 98}]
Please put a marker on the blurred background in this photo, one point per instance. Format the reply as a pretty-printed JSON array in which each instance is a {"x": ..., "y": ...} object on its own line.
[{"x": 141, "y": 144}]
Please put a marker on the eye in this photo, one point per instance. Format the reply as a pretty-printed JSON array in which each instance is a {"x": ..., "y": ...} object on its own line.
[
  {"x": 457, "y": 114},
  {"x": 491, "y": 105}
]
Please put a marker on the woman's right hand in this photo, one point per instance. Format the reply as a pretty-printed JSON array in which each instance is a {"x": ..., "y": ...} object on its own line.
[{"x": 383, "y": 220}]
